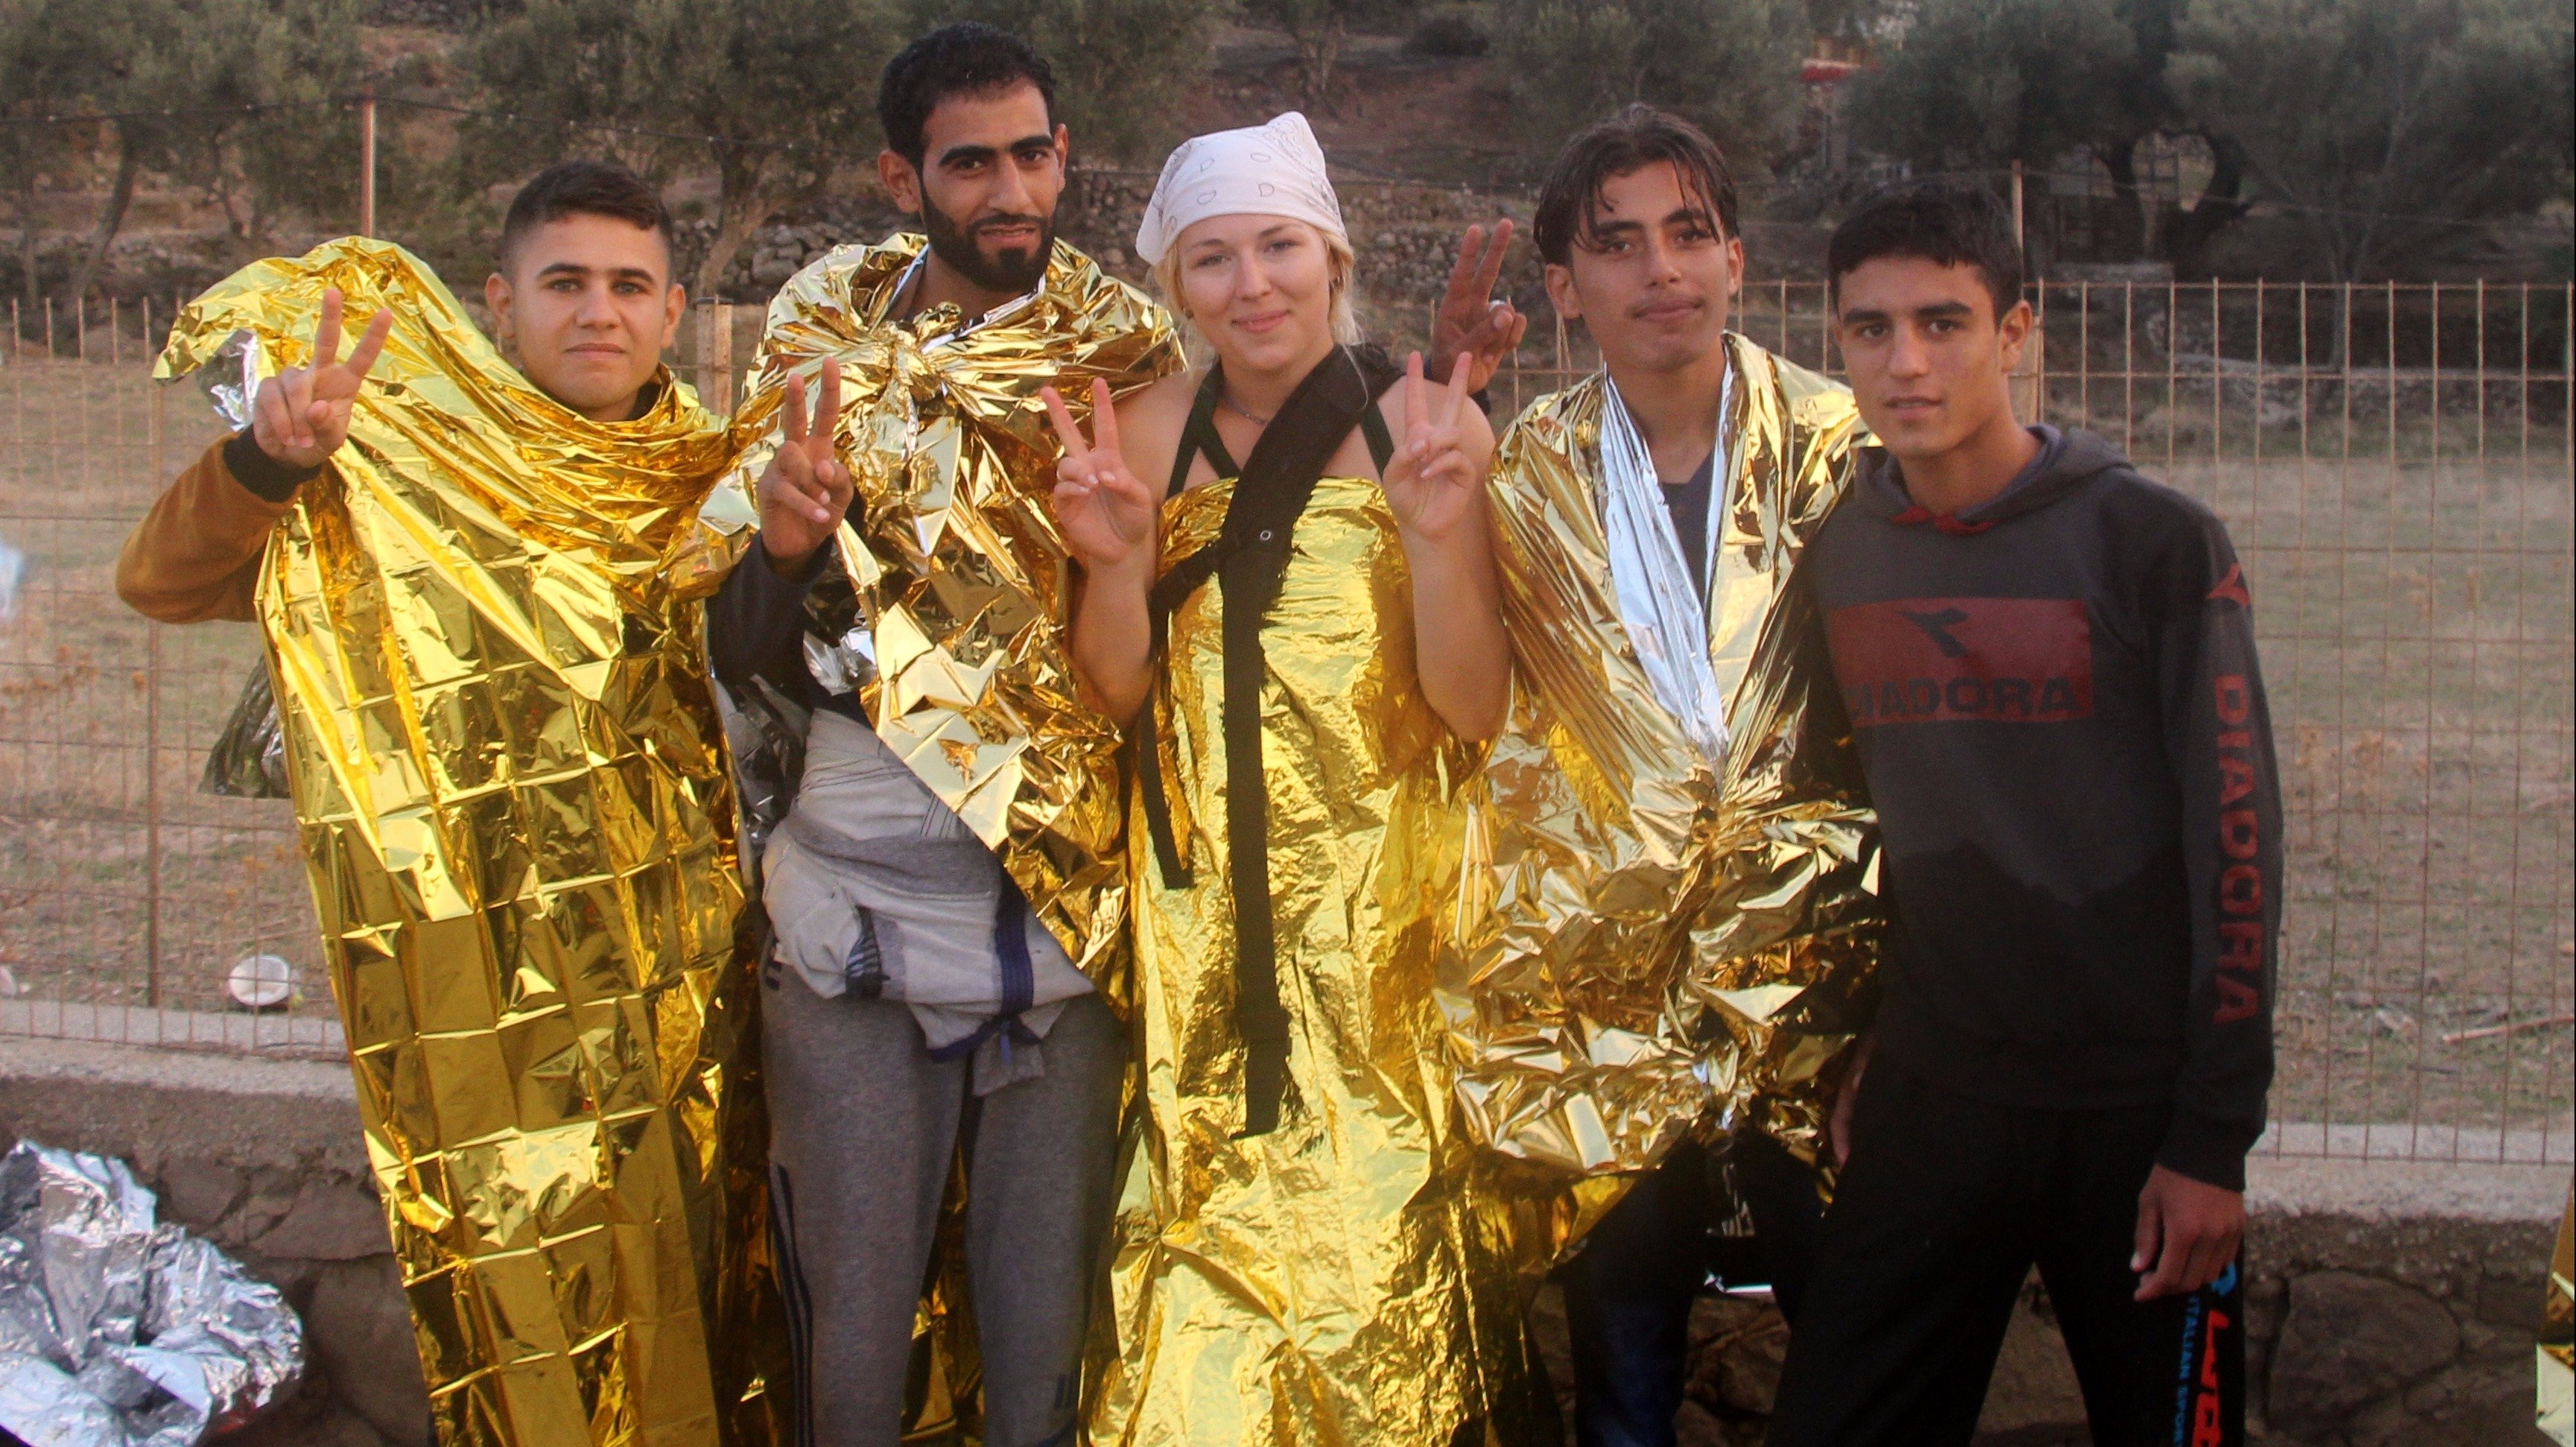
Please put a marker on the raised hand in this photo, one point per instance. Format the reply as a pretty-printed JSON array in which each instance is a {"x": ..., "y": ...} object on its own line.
[
  {"x": 805, "y": 489},
  {"x": 1472, "y": 322},
  {"x": 301, "y": 415},
  {"x": 1106, "y": 514},
  {"x": 1433, "y": 482}
]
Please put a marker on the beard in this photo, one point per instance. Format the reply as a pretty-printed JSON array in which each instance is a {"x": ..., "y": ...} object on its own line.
[{"x": 1013, "y": 270}]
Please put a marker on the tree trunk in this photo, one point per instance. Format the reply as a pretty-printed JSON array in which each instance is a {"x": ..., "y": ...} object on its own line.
[
  {"x": 2220, "y": 204},
  {"x": 1316, "y": 54},
  {"x": 111, "y": 218},
  {"x": 27, "y": 257},
  {"x": 2119, "y": 158},
  {"x": 740, "y": 210}
]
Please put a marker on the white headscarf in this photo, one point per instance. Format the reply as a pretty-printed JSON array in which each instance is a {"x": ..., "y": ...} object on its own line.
[{"x": 1275, "y": 169}]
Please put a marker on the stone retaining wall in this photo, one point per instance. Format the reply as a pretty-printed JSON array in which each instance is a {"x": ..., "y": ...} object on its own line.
[
  {"x": 2391, "y": 1302},
  {"x": 262, "y": 1157}
]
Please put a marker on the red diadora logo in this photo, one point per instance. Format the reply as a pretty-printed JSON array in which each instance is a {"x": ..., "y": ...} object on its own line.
[
  {"x": 2240, "y": 838},
  {"x": 2232, "y": 588},
  {"x": 1935, "y": 660}
]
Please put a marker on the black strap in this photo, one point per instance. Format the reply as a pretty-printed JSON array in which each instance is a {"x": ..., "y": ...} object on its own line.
[
  {"x": 1199, "y": 435},
  {"x": 1248, "y": 559},
  {"x": 1381, "y": 444}
]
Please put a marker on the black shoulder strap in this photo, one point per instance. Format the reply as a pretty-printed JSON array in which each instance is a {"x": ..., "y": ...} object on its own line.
[
  {"x": 1381, "y": 446},
  {"x": 1199, "y": 435},
  {"x": 1272, "y": 487},
  {"x": 1248, "y": 559}
]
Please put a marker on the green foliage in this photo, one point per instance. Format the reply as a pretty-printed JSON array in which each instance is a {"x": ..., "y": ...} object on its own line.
[
  {"x": 239, "y": 98},
  {"x": 53, "y": 55},
  {"x": 2359, "y": 114},
  {"x": 790, "y": 86},
  {"x": 302, "y": 159},
  {"x": 1729, "y": 65},
  {"x": 1318, "y": 29},
  {"x": 1451, "y": 32},
  {"x": 1982, "y": 81},
  {"x": 1121, "y": 66}
]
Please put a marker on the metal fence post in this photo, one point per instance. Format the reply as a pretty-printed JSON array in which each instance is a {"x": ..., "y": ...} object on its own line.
[
  {"x": 715, "y": 357},
  {"x": 152, "y": 756}
]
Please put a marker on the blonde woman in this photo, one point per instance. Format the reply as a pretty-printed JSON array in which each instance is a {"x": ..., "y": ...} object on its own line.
[{"x": 1288, "y": 589}]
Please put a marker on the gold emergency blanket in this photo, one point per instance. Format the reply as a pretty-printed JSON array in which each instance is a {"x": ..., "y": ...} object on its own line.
[
  {"x": 2555, "y": 1355},
  {"x": 1646, "y": 948},
  {"x": 518, "y": 828},
  {"x": 959, "y": 572},
  {"x": 1344, "y": 1278}
]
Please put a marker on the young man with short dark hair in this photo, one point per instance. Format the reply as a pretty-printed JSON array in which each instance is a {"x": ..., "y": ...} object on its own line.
[
  {"x": 1681, "y": 928},
  {"x": 2048, "y": 662},
  {"x": 469, "y": 563},
  {"x": 949, "y": 929},
  {"x": 583, "y": 300}
]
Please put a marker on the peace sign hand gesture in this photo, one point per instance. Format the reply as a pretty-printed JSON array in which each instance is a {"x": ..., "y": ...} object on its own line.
[
  {"x": 1436, "y": 480},
  {"x": 301, "y": 415},
  {"x": 1106, "y": 514},
  {"x": 805, "y": 489},
  {"x": 1471, "y": 324}
]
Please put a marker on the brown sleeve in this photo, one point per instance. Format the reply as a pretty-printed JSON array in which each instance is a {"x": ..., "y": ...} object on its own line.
[{"x": 196, "y": 555}]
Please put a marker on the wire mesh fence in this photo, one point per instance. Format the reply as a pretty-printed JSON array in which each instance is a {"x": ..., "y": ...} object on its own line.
[{"x": 2394, "y": 463}]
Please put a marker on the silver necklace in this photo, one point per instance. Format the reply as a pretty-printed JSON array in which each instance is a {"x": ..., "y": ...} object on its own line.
[{"x": 1226, "y": 400}]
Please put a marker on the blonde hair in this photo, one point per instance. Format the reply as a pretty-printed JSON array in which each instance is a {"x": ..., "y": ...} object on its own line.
[{"x": 1342, "y": 263}]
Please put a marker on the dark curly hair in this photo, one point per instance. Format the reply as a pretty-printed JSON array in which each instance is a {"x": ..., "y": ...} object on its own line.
[{"x": 967, "y": 58}]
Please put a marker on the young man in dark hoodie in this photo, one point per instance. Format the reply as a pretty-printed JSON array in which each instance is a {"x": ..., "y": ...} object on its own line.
[{"x": 2048, "y": 662}]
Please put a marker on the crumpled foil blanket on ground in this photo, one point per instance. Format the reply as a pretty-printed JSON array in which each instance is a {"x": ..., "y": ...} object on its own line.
[
  {"x": 1647, "y": 946},
  {"x": 484, "y": 630},
  {"x": 120, "y": 1331}
]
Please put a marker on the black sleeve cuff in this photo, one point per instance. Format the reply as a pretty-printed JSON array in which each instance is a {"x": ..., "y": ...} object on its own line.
[
  {"x": 805, "y": 577},
  {"x": 1483, "y": 397},
  {"x": 2207, "y": 1149},
  {"x": 264, "y": 475}
]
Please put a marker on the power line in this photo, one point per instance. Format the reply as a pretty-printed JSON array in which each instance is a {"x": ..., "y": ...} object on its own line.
[
  {"x": 2421, "y": 218},
  {"x": 170, "y": 113},
  {"x": 1348, "y": 172},
  {"x": 610, "y": 127}
]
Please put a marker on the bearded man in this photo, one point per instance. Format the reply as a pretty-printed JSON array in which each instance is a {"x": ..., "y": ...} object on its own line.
[{"x": 944, "y": 889}]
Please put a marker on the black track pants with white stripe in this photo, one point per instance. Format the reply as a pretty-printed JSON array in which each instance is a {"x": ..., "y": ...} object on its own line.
[{"x": 1946, "y": 1206}]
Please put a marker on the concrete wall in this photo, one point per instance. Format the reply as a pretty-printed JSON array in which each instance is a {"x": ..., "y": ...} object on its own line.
[
  {"x": 264, "y": 1158},
  {"x": 2391, "y": 1301}
]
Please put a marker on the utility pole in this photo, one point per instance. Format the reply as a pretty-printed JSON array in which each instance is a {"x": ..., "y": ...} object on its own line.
[
  {"x": 367, "y": 164},
  {"x": 2018, "y": 244}
]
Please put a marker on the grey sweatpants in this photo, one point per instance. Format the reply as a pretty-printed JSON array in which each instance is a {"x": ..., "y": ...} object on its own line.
[{"x": 863, "y": 1127}]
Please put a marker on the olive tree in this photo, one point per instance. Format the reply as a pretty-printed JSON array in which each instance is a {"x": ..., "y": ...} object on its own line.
[
  {"x": 775, "y": 96},
  {"x": 2376, "y": 123},
  {"x": 1729, "y": 65},
  {"x": 1121, "y": 66}
]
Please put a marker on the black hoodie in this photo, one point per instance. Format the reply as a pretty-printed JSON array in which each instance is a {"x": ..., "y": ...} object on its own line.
[{"x": 2055, "y": 699}]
